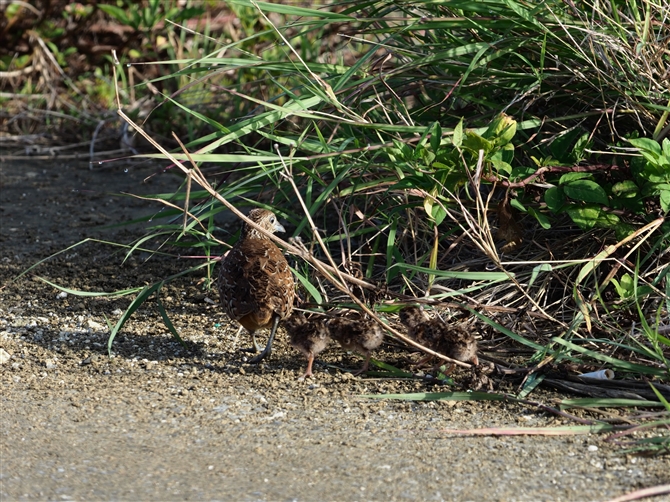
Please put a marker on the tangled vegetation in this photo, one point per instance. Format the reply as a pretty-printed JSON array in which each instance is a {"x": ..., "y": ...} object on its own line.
[{"x": 506, "y": 161}]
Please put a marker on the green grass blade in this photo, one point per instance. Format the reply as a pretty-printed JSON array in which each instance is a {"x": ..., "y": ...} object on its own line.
[
  {"x": 167, "y": 321},
  {"x": 135, "y": 304}
]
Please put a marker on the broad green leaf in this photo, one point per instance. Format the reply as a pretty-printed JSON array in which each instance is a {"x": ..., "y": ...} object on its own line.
[
  {"x": 580, "y": 146},
  {"x": 666, "y": 148},
  {"x": 568, "y": 177},
  {"x": 501, "y": 130},
  {"x": 438, "y": 213},
  {"x": 516, "y": 204},
  {"x": 474, "y": 142},
  {"x": 521, "y": 172},
  {"x": 649, "y": 149},
  {"x": 665, "y": 200},
  {"x": 586, "y": 191},
  {"x": 647, "y": 145},
  {"x": 554, "y": 198},
  {"x": 501, "y": 166},
  {"x": 541, "y": 218},
  {"x": 627, "y": 189},
  {"x": 585, "y": 217}
]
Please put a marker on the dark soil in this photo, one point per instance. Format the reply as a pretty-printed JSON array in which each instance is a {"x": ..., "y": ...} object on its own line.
[{"x": 160, "y": 422}]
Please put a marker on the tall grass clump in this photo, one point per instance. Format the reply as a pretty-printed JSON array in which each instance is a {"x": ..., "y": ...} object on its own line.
[
  {"x": 507, "y": 161},
  {"x": 510, "y": 159}
]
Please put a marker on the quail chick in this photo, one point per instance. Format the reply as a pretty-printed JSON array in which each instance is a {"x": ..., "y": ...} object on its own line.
[
  {"x": 452, "y": 341},
  {"x": 255, "y": 282},
  {"x": 359, "y": 335},
  {"x": 308, "y": 336}
]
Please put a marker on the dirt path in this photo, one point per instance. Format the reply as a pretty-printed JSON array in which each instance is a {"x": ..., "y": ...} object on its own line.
[{"x": 157, "y": 422}]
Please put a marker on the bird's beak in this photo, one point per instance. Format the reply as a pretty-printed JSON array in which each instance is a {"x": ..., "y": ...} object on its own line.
[{"x": 279, "y": 227}]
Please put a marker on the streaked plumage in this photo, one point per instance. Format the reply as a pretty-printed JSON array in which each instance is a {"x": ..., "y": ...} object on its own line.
[
  {"x": 308, "y": 336},
  {"x": 356, "y": 334},
  {"x": 452, "y": 341},
  {"x": 255, "y": 282}
]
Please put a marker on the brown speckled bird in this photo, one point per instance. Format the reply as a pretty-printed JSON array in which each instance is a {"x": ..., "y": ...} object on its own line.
[
  {"x": 255, "y": 282},
  {"x": 360, "y": 335},
  {"x": 452, "y": 341},
  {"x": 308, "y": 336}
]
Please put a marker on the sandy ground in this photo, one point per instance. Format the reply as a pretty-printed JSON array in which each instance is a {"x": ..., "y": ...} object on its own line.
[{"x": 160, "y": 422}]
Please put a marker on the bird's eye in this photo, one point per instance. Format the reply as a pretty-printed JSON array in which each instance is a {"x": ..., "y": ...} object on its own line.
[{"x": 272, "y": 219}]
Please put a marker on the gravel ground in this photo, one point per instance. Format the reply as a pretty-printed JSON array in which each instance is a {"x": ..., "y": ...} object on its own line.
[{"x": 160, "y": 422}]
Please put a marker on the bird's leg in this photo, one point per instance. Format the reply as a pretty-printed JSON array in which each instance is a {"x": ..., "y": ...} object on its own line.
[
  {"x": 268, "y": 348},
  {"x": 308, "y": 373},
  {"x": 365, "y": 366},
  {"x": 422, "y": 361},
  {"x": 256, "y": 347}
]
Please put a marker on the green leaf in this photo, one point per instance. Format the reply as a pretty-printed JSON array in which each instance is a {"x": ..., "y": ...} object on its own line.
[
  {"x": 439, "y": 396},
  {"x": 435, "y": 137},
  {"x": 649, "y": 149},
  {"x": 541, "y": 218},
  {"x": 584, "y": 217},
  {"x": 627, "y": 189},
  {"x": 647, "y": 145},
  {"x": 516, "y": 204},
  {"x": 623, "y": 230},
  {"x": 554, "y": 198},
  {"x": 568, "y": 177},
  {"x": 586, "y": 191},
  {"x": 521, "y": 173},
  {"x": 666, "y": 148},
  {"x": 561, "y": 148},
  {"x": 438, "y": 213},
  {"x": 474, "y": 142},
  {"x": 599, "y": 402},
  {"x": 501, "y": 130},
  {"x": 616, "y": 363},
  {"x": 115, "y": 12},
  {"x": 458, "y": 134},
  {"x": 625, "y": 289},
  {"x": 665, "y": 200},
  {"x": 501, "y": 166},
  {"x": 580, "y": 146}
]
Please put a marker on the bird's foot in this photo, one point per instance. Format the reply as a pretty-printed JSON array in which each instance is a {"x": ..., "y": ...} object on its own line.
[
  {"x": 257, "y": 359},
  {"x": 307, "y": 374}
]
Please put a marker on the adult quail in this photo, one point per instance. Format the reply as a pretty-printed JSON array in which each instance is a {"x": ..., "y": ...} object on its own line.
[{"x": 255, "y": 282}]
